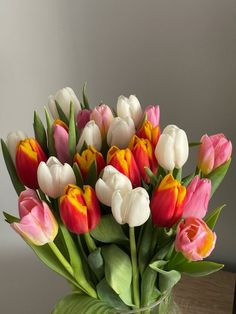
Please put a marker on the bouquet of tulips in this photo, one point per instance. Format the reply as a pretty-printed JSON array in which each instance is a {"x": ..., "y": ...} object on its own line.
[{"x": 103, "y": 202}]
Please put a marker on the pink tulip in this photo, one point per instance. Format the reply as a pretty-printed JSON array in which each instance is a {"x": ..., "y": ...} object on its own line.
[
  {"x": 194, "y": 239},
  {"x": 82, "y": 118},
  {"x": 214, "y": 151},
  {"x": 153, "y": 115},
  {"x": 197, "y": 198},
  {"x": 61, "y": 138},
  {"x": 37, "y": 223},
  {"x": 102, "y": 115}
]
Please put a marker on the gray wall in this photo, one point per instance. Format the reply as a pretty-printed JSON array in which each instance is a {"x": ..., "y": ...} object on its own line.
[{"x": 179, "y": 54}]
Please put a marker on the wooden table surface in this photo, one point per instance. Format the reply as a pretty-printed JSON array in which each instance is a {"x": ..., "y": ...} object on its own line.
[{"x": 213, "y": 294}]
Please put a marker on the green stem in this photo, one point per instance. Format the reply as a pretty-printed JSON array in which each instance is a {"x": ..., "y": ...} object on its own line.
[
  {"x": 154, "y": 240},
  {"x": 61, "y": 258},
  {"x": 135, "y": 281},
  {"x": 90, "y": 242}
]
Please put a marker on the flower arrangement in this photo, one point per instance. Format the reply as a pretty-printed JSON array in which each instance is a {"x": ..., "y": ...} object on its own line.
[{"x": 103, "y": 202}]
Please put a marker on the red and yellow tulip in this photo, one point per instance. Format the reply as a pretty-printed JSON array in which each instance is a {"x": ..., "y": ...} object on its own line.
[
  {"x": 167, "y": 202},
  {"x": 123, "y": 160},
  {"x": 28, "y": 156},
  {"x": 144, "y": 156},
  {"x": 79, "y": 208},
  {"x": 148, "y": 131}
]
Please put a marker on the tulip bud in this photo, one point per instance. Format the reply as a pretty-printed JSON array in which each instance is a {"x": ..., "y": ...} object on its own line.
[
  {"x": 147, "y": 131},
  {"x": 103, "y": 117},
  {"x": 123, "y": 160},
  {"x": 129, "y": 107},
  {"x": 53, "y": 177},
  {"x": 167, "y": 202},
  {"x": 132, "y": 207},
  {"x": 63, "y": 97},
  {"x": 197, "y": 198},
  {"x": 13, "y": 138},
  {"x": 29, "y": 154},
  {"x": 111, "y": 181},
  {"x": 120, "y": 132},
  {"x": 83, "y": 117},
  {"x": 86, "y": 159},
  {"x": 91, "y": 135},
  {"x": 194, "y": 239},
  {"x": 37, "y": 223},
  {"x": 153, "y": 115},
  {"x": 79, "y": 209},
  {"x": 144, "y": 155},
  {"x": 213, "y": 152},
  {"x": 172, "y": 148},
  {"x": 61, "y": 138}
]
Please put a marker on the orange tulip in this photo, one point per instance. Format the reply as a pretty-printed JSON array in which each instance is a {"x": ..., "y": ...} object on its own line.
[{"x": 149, "y": 132}]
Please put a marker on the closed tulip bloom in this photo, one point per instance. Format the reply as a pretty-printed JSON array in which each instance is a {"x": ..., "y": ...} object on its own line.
[
  {"x": 86, "y": 159},
  {"x": 53, "y": 177},
  {"x": 29, "y": 154},
  {"x": 103, "y": 117},
  {"x": 91, "y": 135},
  {"x": 144, "y": 156},
  {"x": 13, "y": 138},
  {"x": 123, "y": 160},
  {"x": 111, "y": 181},
  {"x": 194, "y": 239},
  {"x": 64, "y": 97},
  {"x": 61, "y": 139},
  {"x": 79, "y": 208},
  {"x": 172, "y": 148},
  {"x": 167, "y": 202},
  {"x": 129, "y": 107},
  {"x": 132, "y": 207},
  {"x": 197, "y": 198},
  {"x": 149, "y": 132},
  {"x": 213, "y": 152},
  {"x": 120, "y": 132},
  {"x": 37, "y": 223},
  {"x": 153, "y": 115},
  {"x": 83, "y": 117}
]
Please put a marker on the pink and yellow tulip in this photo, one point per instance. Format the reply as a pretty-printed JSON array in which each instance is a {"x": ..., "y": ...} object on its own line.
[
  {"x": 153, "y": 115},
  {"x": 79, "y": 208},
  {"x": 61, "y": 138},
  {"x": 148, "y": 131}
]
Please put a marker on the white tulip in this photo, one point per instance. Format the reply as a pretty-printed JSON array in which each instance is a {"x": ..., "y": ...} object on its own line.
[
  {"x": 172, "y": 148},
  {"x": 111, "y": 181},
  {"x": 91, "y": 135},
  {"x": 129, "y": 107},
  {"x": 12, "y": 140},
  {"x": 63, "y": 97},
  {"x": 120, "y": 132},
  {"x": 53, "y": 177},
  {"x": 132, "y": 207}
]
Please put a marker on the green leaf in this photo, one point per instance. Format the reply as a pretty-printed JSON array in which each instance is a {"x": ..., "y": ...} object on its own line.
[
  {"x": 81, "y": 304},
  {"x": 118, "y": 271},
  {"x": 109, "y": 231},
  {"x": 19, "y": 187},
  {"x": 198, "y": 269},
  {"x": 40, "y": 133},
  {"x": 78, "y": 175},
  {"x": 9, "y": 218},
  {"x": 61, "y": 114},
  {"x": 193, "y": 144},
  {"x": 177, "y": 173},
  {"x": 96, "y": 263},
  {"x": 85, "y": 98},
  {"x": 91, "y": 178},
  {"x": 218, "y": 175},
  {"x": 51, "y": 147},
  {"x": 212, "y": 218},
  {"x": 188, "y": 179},
  {"x": 72, "y": 133},
  {"x": 109, "y": 296},
  {"x": 149, "y": 292}
]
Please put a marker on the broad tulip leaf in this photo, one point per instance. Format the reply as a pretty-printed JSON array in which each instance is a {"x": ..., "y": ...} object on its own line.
[
  {"x": 212, "y": 218},
  {"x": 85, "y": 98},
  {"x": 198, "y": 269},
  {"x": 96, "y": 263},
  {"x": 51, "y": 146},
  {"x": 218, "y": 175},
  {"x": 177, "y": 173},
  {"x": 91, "y": 178},
  {"x": 61, "y": 114},
  {"x": 118, "y": 271},
  {"x": 81, "y": 304},
  {"x": 9, "y": 218},
  {"x": 72, "y": 133},
  {"x": 188, "y": 179},
  {"x": 19, "y": 187},
  {"x": 149, "y": 292},
  {"x": 40, "y": 132},
  {"x": 109, "y": 231},
  {"x": 78, "y": 175},
  {"x": 108, "y": 295}
]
